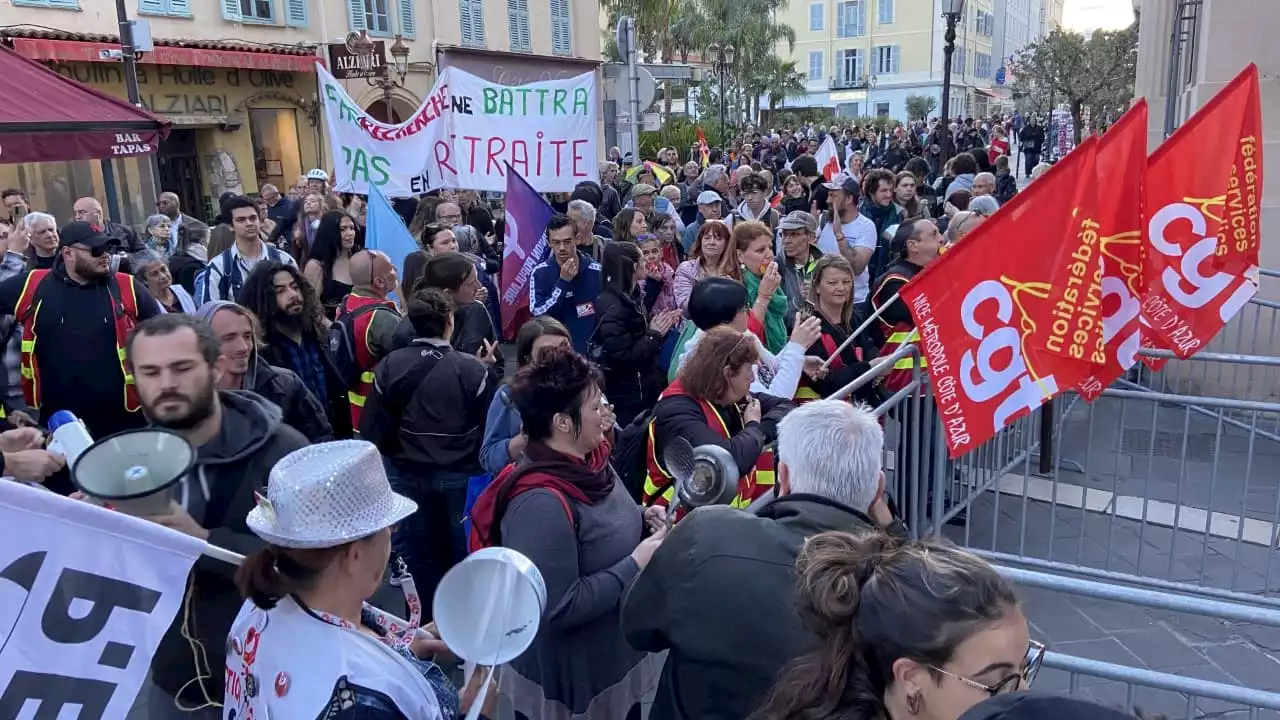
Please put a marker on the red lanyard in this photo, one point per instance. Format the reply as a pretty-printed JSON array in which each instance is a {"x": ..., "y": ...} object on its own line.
[{"x": 395, "y": 633}]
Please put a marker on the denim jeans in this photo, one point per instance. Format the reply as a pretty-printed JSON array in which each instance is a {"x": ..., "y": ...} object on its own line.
[{"x": 431, "y": 540}]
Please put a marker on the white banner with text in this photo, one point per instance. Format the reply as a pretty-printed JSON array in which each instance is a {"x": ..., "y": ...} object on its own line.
[
  {"x": 85, "y": 596},
  {"x": 463, "y": 135}
]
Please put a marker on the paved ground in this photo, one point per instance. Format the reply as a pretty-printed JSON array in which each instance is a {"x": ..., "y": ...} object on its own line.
[{"x": 1163, "y": 453}]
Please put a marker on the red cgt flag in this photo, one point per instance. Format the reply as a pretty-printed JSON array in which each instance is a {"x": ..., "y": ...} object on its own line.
[
  {"x": 1202, "y": 203},
  {"x": 1012, "y": 315},
  {"x": 1121, "y": 152},
  {"x": 704, "y": 152}
]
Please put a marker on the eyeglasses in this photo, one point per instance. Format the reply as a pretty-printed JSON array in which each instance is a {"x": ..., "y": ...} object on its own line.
[
  {"x": 98, "y": 251},
  {"x": 1014, "y": 682}
]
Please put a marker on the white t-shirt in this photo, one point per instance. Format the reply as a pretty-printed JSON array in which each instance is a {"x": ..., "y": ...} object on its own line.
[{"x": 859, "y": 233}]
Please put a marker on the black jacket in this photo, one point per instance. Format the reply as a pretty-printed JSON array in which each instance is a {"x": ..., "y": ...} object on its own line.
[
  {"x": 229, "y": 468},
  {"x": 184, "y": 268},
  {"x": 122, "y": 237},
  {"x": 718, "y": 595},
  {"x": 681, "y": 416},
  {"x": 427, "y": 408},
  {"x": 337, "y": 407},
  {"x": 301, "y": 410},
  {"x": 471, "y": 327},
  {"x": 627, "y": 351},
  {"x": 1006, "y": 187},
  {"x": 76, "y": 347},
  {"x": 856, "y": 359}
]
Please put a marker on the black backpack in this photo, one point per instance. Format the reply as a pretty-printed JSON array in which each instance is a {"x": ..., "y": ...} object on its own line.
[
  {"x": 630, "y": 454},
  {"x": 342, "y": 343}
]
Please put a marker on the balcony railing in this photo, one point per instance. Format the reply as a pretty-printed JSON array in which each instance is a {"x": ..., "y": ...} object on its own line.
[{"x": 840, "y": 82}]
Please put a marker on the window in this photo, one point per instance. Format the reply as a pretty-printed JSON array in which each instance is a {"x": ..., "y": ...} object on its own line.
[
  {"x": 957, "y": 61},
  {"x": 179, "y": 8},
  {"x": 375, "y": 16},
  {"x": 257, "y": 11},
  {"x": 847, "y": 109},
  {"x": 851, "y": 19},
  {"x": 815, "y": 65},
  {"x": 884, "y": 14},
  {"x": 817, "y": 12},
  {"x": 518, "y": 25},
  {"x": 561, "y": 38},
  {"x": 882, "y": 109},
  {"x": 886, "y": 59},
  {"x": 850, "y": 67},
  {"x": 984, "y": 23},
  {"x": 981, "y": 65},
  {"x": 69, "y": 4},
  {"x": 471, "y": 18}
]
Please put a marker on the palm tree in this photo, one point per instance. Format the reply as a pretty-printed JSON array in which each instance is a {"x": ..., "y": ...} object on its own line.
[{"x": 783, "y": 80}]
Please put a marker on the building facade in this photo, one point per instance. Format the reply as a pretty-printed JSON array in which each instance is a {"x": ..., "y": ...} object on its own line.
[
  {"x": 866, "y": 57},
  {"x": 237, "y": 80}
]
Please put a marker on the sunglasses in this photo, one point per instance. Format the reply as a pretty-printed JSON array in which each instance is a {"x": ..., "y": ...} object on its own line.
[
  {"x": 94, "y": 251},
  {"x": 1012, "y": 683}
]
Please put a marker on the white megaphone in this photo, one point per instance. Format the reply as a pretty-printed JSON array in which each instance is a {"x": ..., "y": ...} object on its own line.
[
  {"x": 134, "y": 471},
  {"x": 703, "y": 475}
]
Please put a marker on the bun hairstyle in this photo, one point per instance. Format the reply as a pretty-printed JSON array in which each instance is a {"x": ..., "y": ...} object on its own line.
[
  {"x": 872, "y": 600},
  {"x": 273, "y": 573}
]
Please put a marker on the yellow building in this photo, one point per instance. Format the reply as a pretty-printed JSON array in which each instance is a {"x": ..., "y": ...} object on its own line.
[
  {"x": 865, "y": 57},
  {"x": 236, "y": 78}
]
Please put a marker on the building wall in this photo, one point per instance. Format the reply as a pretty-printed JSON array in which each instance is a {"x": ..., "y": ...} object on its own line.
[
  {"x": 916, "y": 31},
  {"x": 219, "y": 113}
]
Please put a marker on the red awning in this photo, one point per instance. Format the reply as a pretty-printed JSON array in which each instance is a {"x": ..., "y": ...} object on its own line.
[{"x": 45, "y": 117}]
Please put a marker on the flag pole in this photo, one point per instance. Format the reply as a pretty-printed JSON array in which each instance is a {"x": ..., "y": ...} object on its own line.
[{"x": 852, "y": 336}]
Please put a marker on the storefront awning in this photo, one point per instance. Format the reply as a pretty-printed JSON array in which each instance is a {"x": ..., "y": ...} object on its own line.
[
  {"x": 988, "y": 93},
  {"x": 46, "y": 117}
]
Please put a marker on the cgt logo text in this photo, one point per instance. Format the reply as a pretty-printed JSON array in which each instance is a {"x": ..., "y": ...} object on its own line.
[
  {"x": 129, "y": 144},
  {"x": 1014, "y": 384}
]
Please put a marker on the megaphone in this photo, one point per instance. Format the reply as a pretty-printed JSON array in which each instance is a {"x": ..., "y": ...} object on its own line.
[
  {"x": 134, "y": 471},
  {"x": 703, "y": 475}
]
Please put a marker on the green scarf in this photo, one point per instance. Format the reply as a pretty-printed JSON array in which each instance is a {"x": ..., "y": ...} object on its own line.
[{"x": 775, "y": 318}]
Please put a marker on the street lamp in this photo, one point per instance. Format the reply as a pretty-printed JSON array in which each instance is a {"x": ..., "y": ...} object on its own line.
[
  {"x": 721, "y": 57},
  {"x": 399, "y": 52},
  {"x": 951, "y": 10}
]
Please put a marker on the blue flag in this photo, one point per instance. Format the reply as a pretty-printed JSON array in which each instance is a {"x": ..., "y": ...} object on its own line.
[{"x": 384, "y": 230}]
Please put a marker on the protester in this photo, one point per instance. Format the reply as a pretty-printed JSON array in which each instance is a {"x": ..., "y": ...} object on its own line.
[
  {"x": 936, "y": 630},
  {"x": 710, "y": 403},
  {"x": 226, "y": 272},
  {"x": 305, "y": 594},
  {"x": 327, "y": 265},
  {"x": 564, "y": 508},
  {"x": 729, "y": 567},
  {"x": 73, "y": 348},
  {"x": 566, "y": 284},
  {"x": 161, "y": 236},
  {"x": 369, "y": 318},
  {"x": 154, "y": 272},
  {"x": 120, "y": 238},
  {"x": 238, "y": 437},
  {"x": 850, "y": 233},
  {"x": 190, "y": 255},
  {"x": 294, "y": 336},
  {"x": 168, "y": 205},
  {"x": 800, "y": 254},
  {"x": 240, "y": 367},
  {"x": 753, "y": 243},
  {"x": 831, "y": 300},
  {"x": 42, "y": 230},
  {"x": 504, "y": 440},
  {"x": 709, "y": 208},
  {"x": 712, "y": 255}
]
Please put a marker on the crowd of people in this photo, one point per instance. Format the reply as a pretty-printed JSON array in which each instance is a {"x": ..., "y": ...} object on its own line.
[{"x": 349, "y": 417}]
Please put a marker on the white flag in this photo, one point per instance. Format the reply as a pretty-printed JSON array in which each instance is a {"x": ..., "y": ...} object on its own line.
[
  {"x": 828, "y": 159},
  {"x": 85, "y": 596}
]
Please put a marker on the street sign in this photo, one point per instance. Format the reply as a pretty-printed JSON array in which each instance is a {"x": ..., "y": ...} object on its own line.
[
  {"x": 648, "y": 90},
  {"x": 346, "y": 65}
]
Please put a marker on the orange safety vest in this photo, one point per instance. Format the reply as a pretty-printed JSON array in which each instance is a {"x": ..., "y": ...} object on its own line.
[
  {"x": 360, "y": 324},
  {"x": 899, "y": 376},
  {"x": 659, "y": 487},
  {"x": 27, "y": 312}
]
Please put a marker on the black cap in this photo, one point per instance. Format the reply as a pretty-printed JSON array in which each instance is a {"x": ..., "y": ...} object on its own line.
[
  {"x": 1037, "y": 706},
  {"x": 81, "y": 233}
]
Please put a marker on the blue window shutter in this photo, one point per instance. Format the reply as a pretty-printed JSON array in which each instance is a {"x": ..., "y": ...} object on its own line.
[
  {"x": 355, "y": 14},
  {"x": 408, "y": 24},
  {"x": 477, "y": 20},
  {"x": 295, "y": 13},
  {"x": 151, "y": 6},
  {"x": 179, "y": 7},
  {"x": 58, "y": 3},
  {"x": 231, "y": 10},
  {"x": 513, "y": 24},
  {"x": 465, "y": 23}
]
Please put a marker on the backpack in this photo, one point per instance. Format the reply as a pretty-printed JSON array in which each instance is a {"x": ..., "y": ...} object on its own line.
[
  {"x": 629, "y": 454},
  {"x": 342, "y": 343}
]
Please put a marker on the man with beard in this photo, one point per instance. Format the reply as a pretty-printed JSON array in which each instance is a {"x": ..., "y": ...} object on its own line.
[
  {"x": 238, "y": 437},
  {"x": 72, "y": 353},
  {"x": 294, "y": 335},
  {"x": 243, "y": 369}
]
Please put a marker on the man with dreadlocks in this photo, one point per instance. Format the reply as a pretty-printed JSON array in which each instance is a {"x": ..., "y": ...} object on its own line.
[{"x": 294, "y": 336}]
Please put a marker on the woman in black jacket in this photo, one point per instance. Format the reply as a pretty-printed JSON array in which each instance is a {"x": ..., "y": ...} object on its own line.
[
  {"x": 831, "y": 299},
  {"x": 626, "y": 342}
]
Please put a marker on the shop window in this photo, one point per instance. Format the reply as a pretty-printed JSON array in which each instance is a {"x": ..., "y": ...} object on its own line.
[
  {"x": 882, "y": 109},
  {"x": 276, "y": 156},
  {"x": 54, "y": 187}
]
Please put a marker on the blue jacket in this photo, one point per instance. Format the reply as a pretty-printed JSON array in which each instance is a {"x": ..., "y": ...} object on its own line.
[{"x": 572, "y": 302}]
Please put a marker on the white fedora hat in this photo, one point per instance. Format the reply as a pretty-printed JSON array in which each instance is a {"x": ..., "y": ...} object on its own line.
[{"x": 326, "y": 495}]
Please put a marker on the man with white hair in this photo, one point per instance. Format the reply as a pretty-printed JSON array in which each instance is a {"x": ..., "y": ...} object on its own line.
[
  {"x": 583, "y": 215},
  {"x": 718, "y": 592},
  {"x": 42, "y": 231},
  {"x": 984, "y": 183}
]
